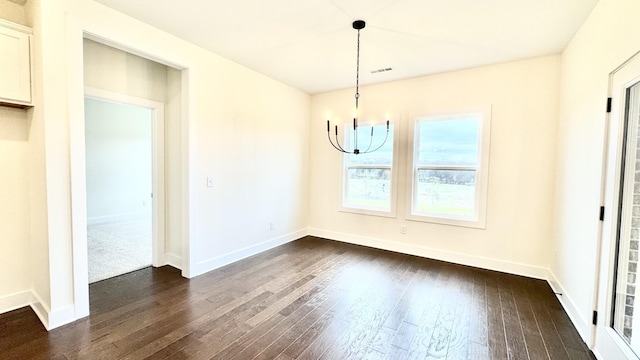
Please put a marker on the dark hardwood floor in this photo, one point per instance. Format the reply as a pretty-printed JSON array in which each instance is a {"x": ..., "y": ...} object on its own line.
[{"x": 310, "y": 299}]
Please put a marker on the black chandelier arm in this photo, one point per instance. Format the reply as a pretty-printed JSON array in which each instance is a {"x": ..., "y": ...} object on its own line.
[
  {"x": 370, "y": 141},
  {"x": 381, "y": 145},
  {"x": 332, "y": 144},
  {"x": 340, "y": 146}
]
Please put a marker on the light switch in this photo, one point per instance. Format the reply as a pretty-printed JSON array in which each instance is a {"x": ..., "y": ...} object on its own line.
[{"x": 209, "y": 181}]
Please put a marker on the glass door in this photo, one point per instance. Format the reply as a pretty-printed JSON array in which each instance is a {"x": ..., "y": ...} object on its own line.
[
  {"x": 627, "y": 237},
  {"x": 617, "y": 331}
]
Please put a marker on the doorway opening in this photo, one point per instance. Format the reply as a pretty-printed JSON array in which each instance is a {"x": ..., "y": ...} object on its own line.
[
  {"x": 113, "y": 70},
  {"x": 119, "y": 178},
  {"x": 125, "y": 186}
]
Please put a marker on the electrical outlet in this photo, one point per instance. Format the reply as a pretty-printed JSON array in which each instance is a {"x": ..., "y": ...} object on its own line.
[
  {"x": 209, "y": 181},
  {"x": 272, "y": 226},
  {"x": 403, "y": 229}
]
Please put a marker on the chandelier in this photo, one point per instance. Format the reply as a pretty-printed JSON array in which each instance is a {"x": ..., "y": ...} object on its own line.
[{"x": 358, "y": 25}]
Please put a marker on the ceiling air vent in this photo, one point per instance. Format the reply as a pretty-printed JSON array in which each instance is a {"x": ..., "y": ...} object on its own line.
[{"x": 381, "y": 70}]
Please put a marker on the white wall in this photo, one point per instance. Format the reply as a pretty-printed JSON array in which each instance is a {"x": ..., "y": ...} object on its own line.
[
  {"x": 524, "y": 100},
  {"x": 118, "y": 157},
  {"x": 247, "y": 131},
  {"x": 21, "y": 166},
  {"x": 48, "y": 179},
  {"x": 173, "y": 165},
  {"x": 15, "y": 260},
  {"x": 121, "y": 72},
  {"x": 605, "y": 41}
]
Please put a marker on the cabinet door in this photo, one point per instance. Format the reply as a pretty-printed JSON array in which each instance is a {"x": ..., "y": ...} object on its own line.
[{"x": 15, "y": 67}]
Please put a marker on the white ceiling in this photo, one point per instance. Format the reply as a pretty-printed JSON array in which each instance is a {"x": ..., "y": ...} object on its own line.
[{"x": 310, "y": 44}]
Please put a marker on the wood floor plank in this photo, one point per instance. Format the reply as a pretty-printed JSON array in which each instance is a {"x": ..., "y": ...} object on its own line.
[
  {"x": 495, "y": 326},
  {"x": 553, "y": 343},
  {"x": 428, "y": 322},
  {"x": 309, "y": 299},
  {"x": 516, "y": 347},
  {"x": 396, "y": 353},
  {"x": 374, "y": 312},
  {"x": 459, "y": 338},
  {"x": 479, "y": 322},
  {"x": 532, "y": 336},
  {"x": 324, "y": 302},
  {"x": 324, "y": 340}
]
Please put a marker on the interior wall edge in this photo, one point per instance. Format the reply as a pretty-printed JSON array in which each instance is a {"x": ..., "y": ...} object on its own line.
[{"x": 226, "y": 259}]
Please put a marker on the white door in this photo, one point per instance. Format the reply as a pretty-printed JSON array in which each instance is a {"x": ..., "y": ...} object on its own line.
[{"x": 617, "y": 334}]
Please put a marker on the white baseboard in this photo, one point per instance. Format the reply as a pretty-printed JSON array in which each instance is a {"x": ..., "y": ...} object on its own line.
[
  {"x": 536, "y": 272},
  {"x": 50, "y": 319},
  {"x": 65, "y": 315},
  {"x": 62, "y": 316},
  {"x": 212, "y": 264},
  {"x": 40, "y": 308},
  {"x": 119, "y": 217},
  {"x": 597, "y": 354},
  {"x": 15, "y": 301},
  {"x": 582, "y": 325},
  {"x": 173, "y": 260}
]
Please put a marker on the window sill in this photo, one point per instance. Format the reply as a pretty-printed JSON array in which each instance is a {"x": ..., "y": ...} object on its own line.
[
  {"x": 476, "y": 224},
  {"x": 386, "y": 214}
]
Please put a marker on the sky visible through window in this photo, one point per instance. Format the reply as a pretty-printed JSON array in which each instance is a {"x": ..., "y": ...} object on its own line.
[
  {"x": 382, "y": 156},
  {"x": 448, "y": 142}
]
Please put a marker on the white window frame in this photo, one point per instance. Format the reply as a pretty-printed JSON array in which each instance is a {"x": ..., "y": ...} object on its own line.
[
  {"x": 346, "y": 128},
  {"x": 482, "y": 167}
]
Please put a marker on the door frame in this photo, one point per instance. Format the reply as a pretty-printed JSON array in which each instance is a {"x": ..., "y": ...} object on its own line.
[
  {"x": 99, "y": 29},
  {"x": 159, "y": 257},
  {"x": 606, "y": 340}
]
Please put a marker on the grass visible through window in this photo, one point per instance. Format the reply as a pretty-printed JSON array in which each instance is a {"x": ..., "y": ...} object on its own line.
[{"x": 457, "y": 200}]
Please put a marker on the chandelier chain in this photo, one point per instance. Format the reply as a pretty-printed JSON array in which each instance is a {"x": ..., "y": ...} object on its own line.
[{"x": 358, "y": 72}]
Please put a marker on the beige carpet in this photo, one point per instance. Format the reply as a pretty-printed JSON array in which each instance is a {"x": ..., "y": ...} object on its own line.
[{"x": 118, "y": 247}]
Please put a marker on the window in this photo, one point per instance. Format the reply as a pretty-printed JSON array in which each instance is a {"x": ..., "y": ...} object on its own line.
[
  {"x": 449, "y": 175},
  {"x": 368, "y": 179}
]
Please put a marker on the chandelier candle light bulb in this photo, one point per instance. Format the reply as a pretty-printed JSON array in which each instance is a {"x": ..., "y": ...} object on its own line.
[{"x": 358, "y": 25}]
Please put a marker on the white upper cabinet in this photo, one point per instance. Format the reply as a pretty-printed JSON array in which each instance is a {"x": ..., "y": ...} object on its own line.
[{"x": 15, "y": 65}]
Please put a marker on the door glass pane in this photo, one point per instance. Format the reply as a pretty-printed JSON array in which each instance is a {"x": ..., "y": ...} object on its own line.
[{"x": 626, "y": 319}]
